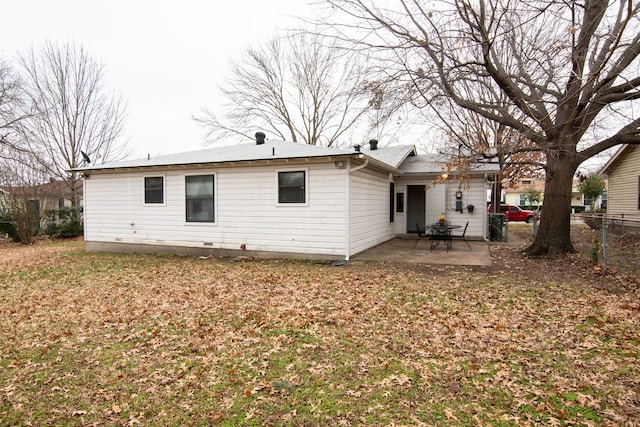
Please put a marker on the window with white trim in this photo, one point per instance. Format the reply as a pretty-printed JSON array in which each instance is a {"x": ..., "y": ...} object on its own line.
[
  {"x": 199, "y": 198},
  {"x": 154, "y": 190},
  {"x": 292, "y": 186}
]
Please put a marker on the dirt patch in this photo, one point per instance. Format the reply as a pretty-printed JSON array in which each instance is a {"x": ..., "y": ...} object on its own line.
[
  {"x": 623, "y": 262},
  {"x": 622, "y": 249}
]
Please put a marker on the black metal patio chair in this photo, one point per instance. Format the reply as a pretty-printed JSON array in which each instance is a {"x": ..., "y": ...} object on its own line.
[
  {"x": 421, "y": 233},
  {"x": 462, "y": 236}
]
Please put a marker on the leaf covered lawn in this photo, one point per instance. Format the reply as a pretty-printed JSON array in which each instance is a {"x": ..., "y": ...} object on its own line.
[{"x": 92, "y": 338}]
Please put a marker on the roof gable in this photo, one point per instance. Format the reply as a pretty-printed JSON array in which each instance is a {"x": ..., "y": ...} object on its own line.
[
  {"x": 622, "y": 152},
  {"x": 392, "y": 155}
]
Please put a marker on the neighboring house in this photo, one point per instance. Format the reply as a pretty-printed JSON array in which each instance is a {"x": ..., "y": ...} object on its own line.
[
  {"x": 41, "y": 198},
  {"x": 50, "y": 195},
  {"x": 272, "y": 198},
  {"x": 600, "y": 202},
  {"x": 623, "y": 190},
  {"x": 515, "y": 195}
]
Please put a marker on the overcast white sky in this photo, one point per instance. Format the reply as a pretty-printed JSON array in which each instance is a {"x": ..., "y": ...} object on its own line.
[{"x": 166, "y": 58}]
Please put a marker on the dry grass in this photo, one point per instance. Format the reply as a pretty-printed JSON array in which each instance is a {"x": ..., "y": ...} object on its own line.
[{"x": 162, "y": 340}]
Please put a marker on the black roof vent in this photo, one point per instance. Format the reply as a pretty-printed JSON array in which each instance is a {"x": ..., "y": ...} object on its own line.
[
  {"x": 373, "y": 144},
  {"x": 260, "y": 137},
  {"x": 357, "y": 148}
]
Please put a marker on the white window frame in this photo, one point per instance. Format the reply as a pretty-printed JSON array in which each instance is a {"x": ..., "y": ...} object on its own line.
[
  {"x": 215, "y": 199},
  {"x": 306, "y": 187}
]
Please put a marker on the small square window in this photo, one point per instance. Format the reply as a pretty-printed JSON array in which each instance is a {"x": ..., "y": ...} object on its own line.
[
  {"x": 154, "y": 189},
  {"x": 291, "y": 187}
]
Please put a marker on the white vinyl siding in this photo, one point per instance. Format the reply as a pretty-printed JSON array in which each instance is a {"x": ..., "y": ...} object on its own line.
[
  {"x": 245, "y": 212},
  {"x": 440, "y": 198},
  {"x": 370, "y": 223},
  {"x": 475, "y": 195},
  {"x": 622, "y": 189}
]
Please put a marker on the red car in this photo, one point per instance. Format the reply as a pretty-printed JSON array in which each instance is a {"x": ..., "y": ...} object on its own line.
[{"x": 514, "y": 213}]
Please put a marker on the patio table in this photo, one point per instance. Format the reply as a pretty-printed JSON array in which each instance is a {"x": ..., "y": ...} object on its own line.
[{"x": 442, "y": 233}]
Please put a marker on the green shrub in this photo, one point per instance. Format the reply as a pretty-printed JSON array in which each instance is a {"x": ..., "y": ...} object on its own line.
[
  {"x": 64, "y": 222},
  {"x": 7, "y": 228}
]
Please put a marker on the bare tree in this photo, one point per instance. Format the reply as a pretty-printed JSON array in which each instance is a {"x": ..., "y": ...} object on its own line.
[
  {"x": 70, "y": 111},
  {"x": 10, "y": 110},
  {"x": 24, "y": 216},
  {"x": 471, "y": 139},
  {"x": 299, "y": 88},
  {"x": 20, "y": 195},
  {"x": 569, "y": 68}
]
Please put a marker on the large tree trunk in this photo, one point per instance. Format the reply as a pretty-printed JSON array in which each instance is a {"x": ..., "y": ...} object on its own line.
[
  {"x": 554, "y": 235},
  {"x": 496, "y": 192}
]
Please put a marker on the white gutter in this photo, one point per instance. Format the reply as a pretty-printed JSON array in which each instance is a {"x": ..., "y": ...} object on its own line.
[
  {"x": 348, "y": 201},
  {"x": 362, "y": 166},
  {"x": 485, "y": 214}
]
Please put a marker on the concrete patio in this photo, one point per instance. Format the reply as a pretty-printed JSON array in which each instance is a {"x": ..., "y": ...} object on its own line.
[{"x": 405, "y": 249}]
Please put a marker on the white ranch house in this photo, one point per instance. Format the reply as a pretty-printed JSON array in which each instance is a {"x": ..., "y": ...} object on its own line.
[{"x": 274, "y": 199}]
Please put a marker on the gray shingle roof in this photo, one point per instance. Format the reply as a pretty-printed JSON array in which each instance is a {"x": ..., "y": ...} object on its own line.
[
  {"x": 392, "y": 155},
  {"x": 271, "y": 150},
  {"x": 399, "y": 157}
]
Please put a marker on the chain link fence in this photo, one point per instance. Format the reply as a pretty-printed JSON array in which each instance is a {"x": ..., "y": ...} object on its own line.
[{"x": 613, "y": 241}]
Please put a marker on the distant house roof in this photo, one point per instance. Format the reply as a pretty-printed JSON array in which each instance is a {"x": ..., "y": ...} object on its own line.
[
  {"x": 391, "y": 156},
  {"x": 53, "y": 188},
  {"x": 613, "y": 161},
  {"x": 520, "y": 186}
]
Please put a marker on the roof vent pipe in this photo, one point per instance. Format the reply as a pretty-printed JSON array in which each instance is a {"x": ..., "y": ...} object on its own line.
[
  {"x": 357, "y": 148},
  {"x": 373, "y": 144},
  {"x": 260, "y": 137}
]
